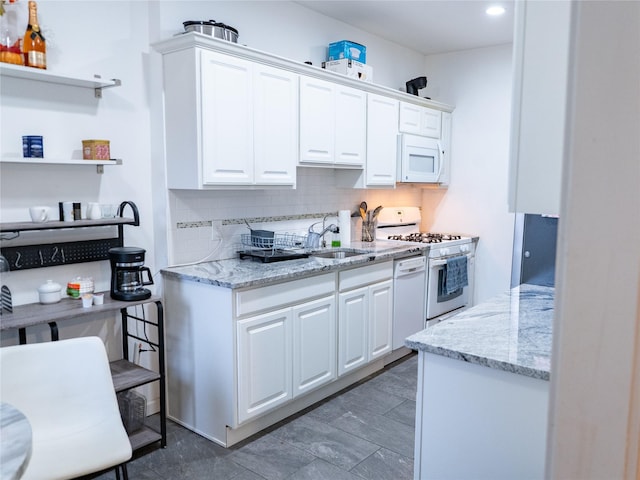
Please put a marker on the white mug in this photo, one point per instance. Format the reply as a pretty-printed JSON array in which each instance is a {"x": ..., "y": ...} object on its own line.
[
  {"x": 39, "y": 214},
  {"x": 94, "y": 212}
]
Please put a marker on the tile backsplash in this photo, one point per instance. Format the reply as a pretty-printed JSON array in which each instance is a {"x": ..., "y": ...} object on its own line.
[{"x": 206, "y": 225}]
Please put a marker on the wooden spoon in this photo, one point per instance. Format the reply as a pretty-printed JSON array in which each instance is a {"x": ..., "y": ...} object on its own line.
[{"x": 363, "y": 210}]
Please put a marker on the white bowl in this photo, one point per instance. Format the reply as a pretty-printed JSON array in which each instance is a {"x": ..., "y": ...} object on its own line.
[{"x": 49, "y": 292}]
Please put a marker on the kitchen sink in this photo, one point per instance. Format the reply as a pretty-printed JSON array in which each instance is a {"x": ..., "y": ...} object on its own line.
[{"x": 338, "y": 253}]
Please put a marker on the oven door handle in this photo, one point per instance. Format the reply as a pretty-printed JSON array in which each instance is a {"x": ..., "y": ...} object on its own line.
[{"x": 439, "y": 263}]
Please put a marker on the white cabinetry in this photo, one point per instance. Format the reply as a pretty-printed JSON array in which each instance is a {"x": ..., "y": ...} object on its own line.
[
  {"x": 365, "y": 315},
  {"x": 228, "y": 121},
  {"x": 283, "y": 354},
  {"x": 420, "y": 120},
  {"x": 382, "y": 140},
  {"x": 264, "y": 363},
  {"x": 332, "y": 124},
  {"x": 314, "y": 344},
  {"x": 445, "y": 152},
  {"x": 242, "y": 355},
  {"x": 541, "y": 46}
]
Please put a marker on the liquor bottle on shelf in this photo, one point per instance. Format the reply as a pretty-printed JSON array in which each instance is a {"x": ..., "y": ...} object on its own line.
[{"x": 33, "y": 45}]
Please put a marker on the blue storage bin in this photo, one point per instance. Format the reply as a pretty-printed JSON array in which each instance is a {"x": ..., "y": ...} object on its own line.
[{"x": 349, "y": 50}]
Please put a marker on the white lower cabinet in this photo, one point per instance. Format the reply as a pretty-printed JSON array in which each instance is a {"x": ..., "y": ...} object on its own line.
[
  {"x": 242, "y": 359},
  {"x": 365, "y": 316},
  {"x": 264, "y": 362},
  {"x": 380, "y": 319},
  {"x": 314, "y": 344},
  {"x": 352, "y": 308},
  {"x": 283, "y": 354}
]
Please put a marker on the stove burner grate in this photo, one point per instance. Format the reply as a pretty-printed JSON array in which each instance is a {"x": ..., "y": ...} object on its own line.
[{"x": 425, "y": 237}]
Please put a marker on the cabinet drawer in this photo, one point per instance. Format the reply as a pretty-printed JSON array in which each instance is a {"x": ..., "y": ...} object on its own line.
[
  {"x": 283, "y": 294},
  {"x": 365, "y": 275}
]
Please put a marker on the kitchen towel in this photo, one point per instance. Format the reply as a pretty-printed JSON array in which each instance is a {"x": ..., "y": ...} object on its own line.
[
  {"x": 455, "y": 274},
  {"x": 344, "y": 222}
]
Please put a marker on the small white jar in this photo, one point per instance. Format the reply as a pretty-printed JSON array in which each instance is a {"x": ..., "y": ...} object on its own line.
[{"x": 49, "y": 292}]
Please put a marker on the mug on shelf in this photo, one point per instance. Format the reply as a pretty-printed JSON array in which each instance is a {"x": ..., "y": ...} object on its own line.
[
  {"x": 94, "y": 212},
  {"x": 39, "y": 214}
]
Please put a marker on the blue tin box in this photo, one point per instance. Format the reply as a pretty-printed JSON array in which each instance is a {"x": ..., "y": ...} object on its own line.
[
  {"x": 349, "y": 50},
  {"x": 32, "y": 146}
]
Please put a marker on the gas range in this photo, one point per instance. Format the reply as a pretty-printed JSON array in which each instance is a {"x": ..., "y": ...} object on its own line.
[
  {"x": 450, "y": 260},
  {"x": 402, "y": 224}
]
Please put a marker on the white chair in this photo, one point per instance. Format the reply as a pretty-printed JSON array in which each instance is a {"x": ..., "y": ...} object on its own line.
[{"x": 65, "y": 390}]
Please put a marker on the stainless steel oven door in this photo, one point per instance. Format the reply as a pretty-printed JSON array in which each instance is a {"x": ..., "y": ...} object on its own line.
[{"x": 438, "y": 301}]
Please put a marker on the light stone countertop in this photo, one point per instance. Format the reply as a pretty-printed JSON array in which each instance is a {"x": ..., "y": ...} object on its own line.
[
  {"x": 510, "y": 332},
  {"x": 236, "y": 273}
]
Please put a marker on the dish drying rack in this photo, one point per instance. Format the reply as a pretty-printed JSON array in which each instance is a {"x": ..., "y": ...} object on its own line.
[{"x": 282, "y": 246}]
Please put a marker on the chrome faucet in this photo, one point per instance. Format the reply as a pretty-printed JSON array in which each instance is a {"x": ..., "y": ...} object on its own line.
[{"x": 313, "y": 238}]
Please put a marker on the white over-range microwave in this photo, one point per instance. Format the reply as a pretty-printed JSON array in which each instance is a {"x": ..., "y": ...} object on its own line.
[{"x": 419, "y": 159}]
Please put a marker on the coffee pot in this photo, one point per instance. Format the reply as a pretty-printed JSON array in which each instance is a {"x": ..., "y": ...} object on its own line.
[{"x": 127, "y": 274}]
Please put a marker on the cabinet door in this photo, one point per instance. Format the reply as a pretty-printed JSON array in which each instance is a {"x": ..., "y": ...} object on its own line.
[
  {"x": 380, "y": 319},
  {"x": 382, "y": 140},
  {"x": 314, "y": 344},
  {"x": 263, "y": 363},
  {"x": 541, "y": 45},
  {"x": 430, "y": 122},
  {"x": 317, "y": 121},
  {"x": 445, "y": 149},
  {"x": 410, "y": 118},
  {"x": 419, "y": 120},
  {"x": 275, "y": 125},
  {"x": 350, "y": 126},
  {"x": 352, "y": 325},
  {"x": 227, "y": 119}
]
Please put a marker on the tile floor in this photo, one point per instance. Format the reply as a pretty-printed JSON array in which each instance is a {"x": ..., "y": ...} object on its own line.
[{"x": 363, "y": 432}]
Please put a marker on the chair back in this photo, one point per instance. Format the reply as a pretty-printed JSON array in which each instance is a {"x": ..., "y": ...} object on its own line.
[{"x": 65, "y": 390}]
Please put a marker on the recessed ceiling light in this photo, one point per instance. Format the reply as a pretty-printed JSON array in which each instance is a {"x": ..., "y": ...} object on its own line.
[{"x": 495, "y": 10}]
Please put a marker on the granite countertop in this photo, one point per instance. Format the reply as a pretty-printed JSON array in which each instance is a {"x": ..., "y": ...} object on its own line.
[
  {"x": 510, "y": 332},
  {"x": 236, "y": 273}
]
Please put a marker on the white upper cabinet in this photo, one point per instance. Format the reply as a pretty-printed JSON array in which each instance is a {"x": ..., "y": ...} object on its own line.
[
  {"x": 228, "y": 121},
  {"x": 333, "y": 128},
  {"x": 445, "y": 152},
  {"x": 238, "y": 117},
  {"x": 541, "y": 46},
  {"x": 275, "y": 125},
  {"x": 420, "y": 120},
  {"x": 382, "y": 141}
]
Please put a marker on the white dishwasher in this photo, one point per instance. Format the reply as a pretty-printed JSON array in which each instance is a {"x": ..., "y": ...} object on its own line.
[{"x": 409, "y": 298}]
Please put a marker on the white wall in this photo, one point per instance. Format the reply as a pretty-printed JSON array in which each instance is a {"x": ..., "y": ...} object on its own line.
[
  {"x": 83, "y": 38},
  {"x": 478, "y": 83}
]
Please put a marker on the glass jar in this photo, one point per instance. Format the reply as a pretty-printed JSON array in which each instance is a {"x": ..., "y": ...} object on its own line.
[
  {"x": 12, "y": 27},
  {"x": 368, "y": 231}
]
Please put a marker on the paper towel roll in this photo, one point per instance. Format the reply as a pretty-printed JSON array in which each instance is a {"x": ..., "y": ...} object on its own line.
[{"x": 344, "y": 222}]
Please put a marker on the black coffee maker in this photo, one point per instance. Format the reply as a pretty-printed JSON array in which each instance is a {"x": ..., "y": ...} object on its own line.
[
  {"x": 416, "y": 84},
  {"x": 127, "y": 269}
]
